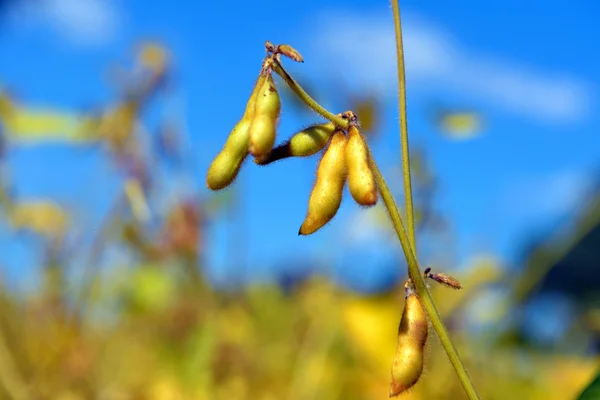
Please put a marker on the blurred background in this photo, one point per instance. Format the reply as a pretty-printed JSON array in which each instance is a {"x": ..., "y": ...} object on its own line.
[{"x": 123, "y": 277}]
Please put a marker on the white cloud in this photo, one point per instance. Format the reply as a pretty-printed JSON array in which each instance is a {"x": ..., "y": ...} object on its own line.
[
  {"x": 365, "y": 46},
  {"x": 82, "y": 22},
  {"x": 549, "y": 196}
]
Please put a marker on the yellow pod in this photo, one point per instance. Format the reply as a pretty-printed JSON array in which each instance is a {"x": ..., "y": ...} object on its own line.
[
  {"x": 264, "y": 124},
  {"x": 412, "y": 336},
  {"x": 326, "y": 196},
  {"x": 305, "y": 143},
  {"x": 361, "y": 181},
  {"x": 224, "y": 168}
]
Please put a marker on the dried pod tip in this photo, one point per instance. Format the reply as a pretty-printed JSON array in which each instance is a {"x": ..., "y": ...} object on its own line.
[
  {"x": 350, "y": 116},
  {"x": 409, "y": 288},
  {"x": 446, "y": 280},
  {"x": 361, "y": 180},
  {"x": 289, "y": 52},
  {"x": 267, "y": 67},
  {"x": 270, "y": 47}
]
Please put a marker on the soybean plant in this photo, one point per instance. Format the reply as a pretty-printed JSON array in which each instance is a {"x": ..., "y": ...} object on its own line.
[{"x": 346, "y": 158}]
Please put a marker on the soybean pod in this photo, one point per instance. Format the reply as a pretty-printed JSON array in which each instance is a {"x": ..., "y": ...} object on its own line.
[
  {"x": 326, "y": 196},
  {"x": 226, "y": 165}
]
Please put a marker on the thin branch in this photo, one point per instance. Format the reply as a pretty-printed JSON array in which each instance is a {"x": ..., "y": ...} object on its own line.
[
  {"x": 409, "y": 253},
  {"x": 408, "y": 198}
]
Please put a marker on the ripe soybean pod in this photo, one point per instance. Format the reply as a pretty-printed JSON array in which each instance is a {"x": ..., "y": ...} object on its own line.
[
  {"x": 305, "y": 143},
  {"x": 326, "y": 196},
  {"x": 264, "y": 123},
  {"x": 226, "y": 165},
  {"x": 412, "y": 336},
  {"x": 361, "y": 181}
]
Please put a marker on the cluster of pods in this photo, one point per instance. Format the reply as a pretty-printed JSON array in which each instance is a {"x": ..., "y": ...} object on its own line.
[
  {"x": 253, "y": 134},
  {"x": 407, "y": 366},
  {"x": 345, "y": 159}
]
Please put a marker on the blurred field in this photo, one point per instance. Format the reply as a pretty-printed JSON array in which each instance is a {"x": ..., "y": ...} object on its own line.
[{"x": 156, "y": 328}]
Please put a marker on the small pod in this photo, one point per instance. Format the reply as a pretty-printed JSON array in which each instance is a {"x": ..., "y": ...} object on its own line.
[
  {"x": 226, "y": 165},
  {"x": 361, "y": 181},
  {"x": 264, "y": 124},
  {"x": 326, "y": 196},
  {"x": 290, "y": 52},
  {"x": 302, "y": 144},
  {"x": 412, "y": 336},
  {"x": 444, "y": 279}
]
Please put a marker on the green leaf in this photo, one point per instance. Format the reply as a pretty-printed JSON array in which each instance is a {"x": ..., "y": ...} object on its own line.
[{"x": 592, "y": 392}]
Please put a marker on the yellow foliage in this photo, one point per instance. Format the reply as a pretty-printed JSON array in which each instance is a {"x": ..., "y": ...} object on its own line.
[
  {"x": 40, "y": 216},
  {"x": 154, "y": 57},
  {"x": 29, "y": 126},
  {"x": 166, "y": 388},
  {"x": 460, "y": 125},
  {"x": 117, "y": 125},
  {"x": 371, "y": 324},
  {"x": 137, "y": 199}
]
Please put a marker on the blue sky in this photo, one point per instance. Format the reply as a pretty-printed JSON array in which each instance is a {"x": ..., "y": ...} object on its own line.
[{"x": 532, "y": 69}]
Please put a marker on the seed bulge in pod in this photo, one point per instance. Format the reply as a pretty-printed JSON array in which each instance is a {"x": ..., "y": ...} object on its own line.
[
  {"x": 224, "y": 168},
  {"x": 326, "y": 196},
  {"x": 264, "y": 124},
  {"x": 412, "y": 336},
  {"x": 361, "y": 181}
]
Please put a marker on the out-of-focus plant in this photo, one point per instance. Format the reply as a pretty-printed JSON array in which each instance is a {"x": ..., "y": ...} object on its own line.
[
  {"x": 346, "y": 159},
  {"x": 457, "y": 123},
  {"x": 127, "y": 311}
]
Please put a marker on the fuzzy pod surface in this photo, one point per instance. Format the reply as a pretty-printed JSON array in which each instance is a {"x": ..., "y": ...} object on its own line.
[
  {"x": 305, "y": 143},
  {"x": 263, "y": 128},
  {"x": 224, "y": 168},
  {"x": 361, "y": 181},
  {"x": 326, "y": 196},
  {"x": 412, "y": 336}
]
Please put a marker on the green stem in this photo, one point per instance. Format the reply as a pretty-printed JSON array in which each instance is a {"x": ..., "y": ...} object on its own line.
[
  {"x": 417, "y": 279},
  {"x": 408, "y": 241},
  {"x": 413, "y": 266},
  {"x": 408, "y": 198},
  {"x": 278, "y": 68}
]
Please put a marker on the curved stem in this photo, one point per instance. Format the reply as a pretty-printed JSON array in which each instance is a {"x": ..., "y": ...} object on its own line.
[
  {"x": 278, "y": 68},
  {"x": 415, "y": 275},
  {"x": 408, "y": 241},
  {"x": 408, "y": 198},
  {"x": 409, "y": 253}
]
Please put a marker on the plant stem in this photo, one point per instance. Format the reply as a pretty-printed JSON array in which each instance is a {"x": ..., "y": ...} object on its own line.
[
  {"x": 409, "y": 253},
  {"x": 408, "y": 242},
  {"x": 414, "y": 273},
  {"x": 278, "y": 68},
  {"x": 408, "y": 198},
  {"x": 90, "y": 272}
]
